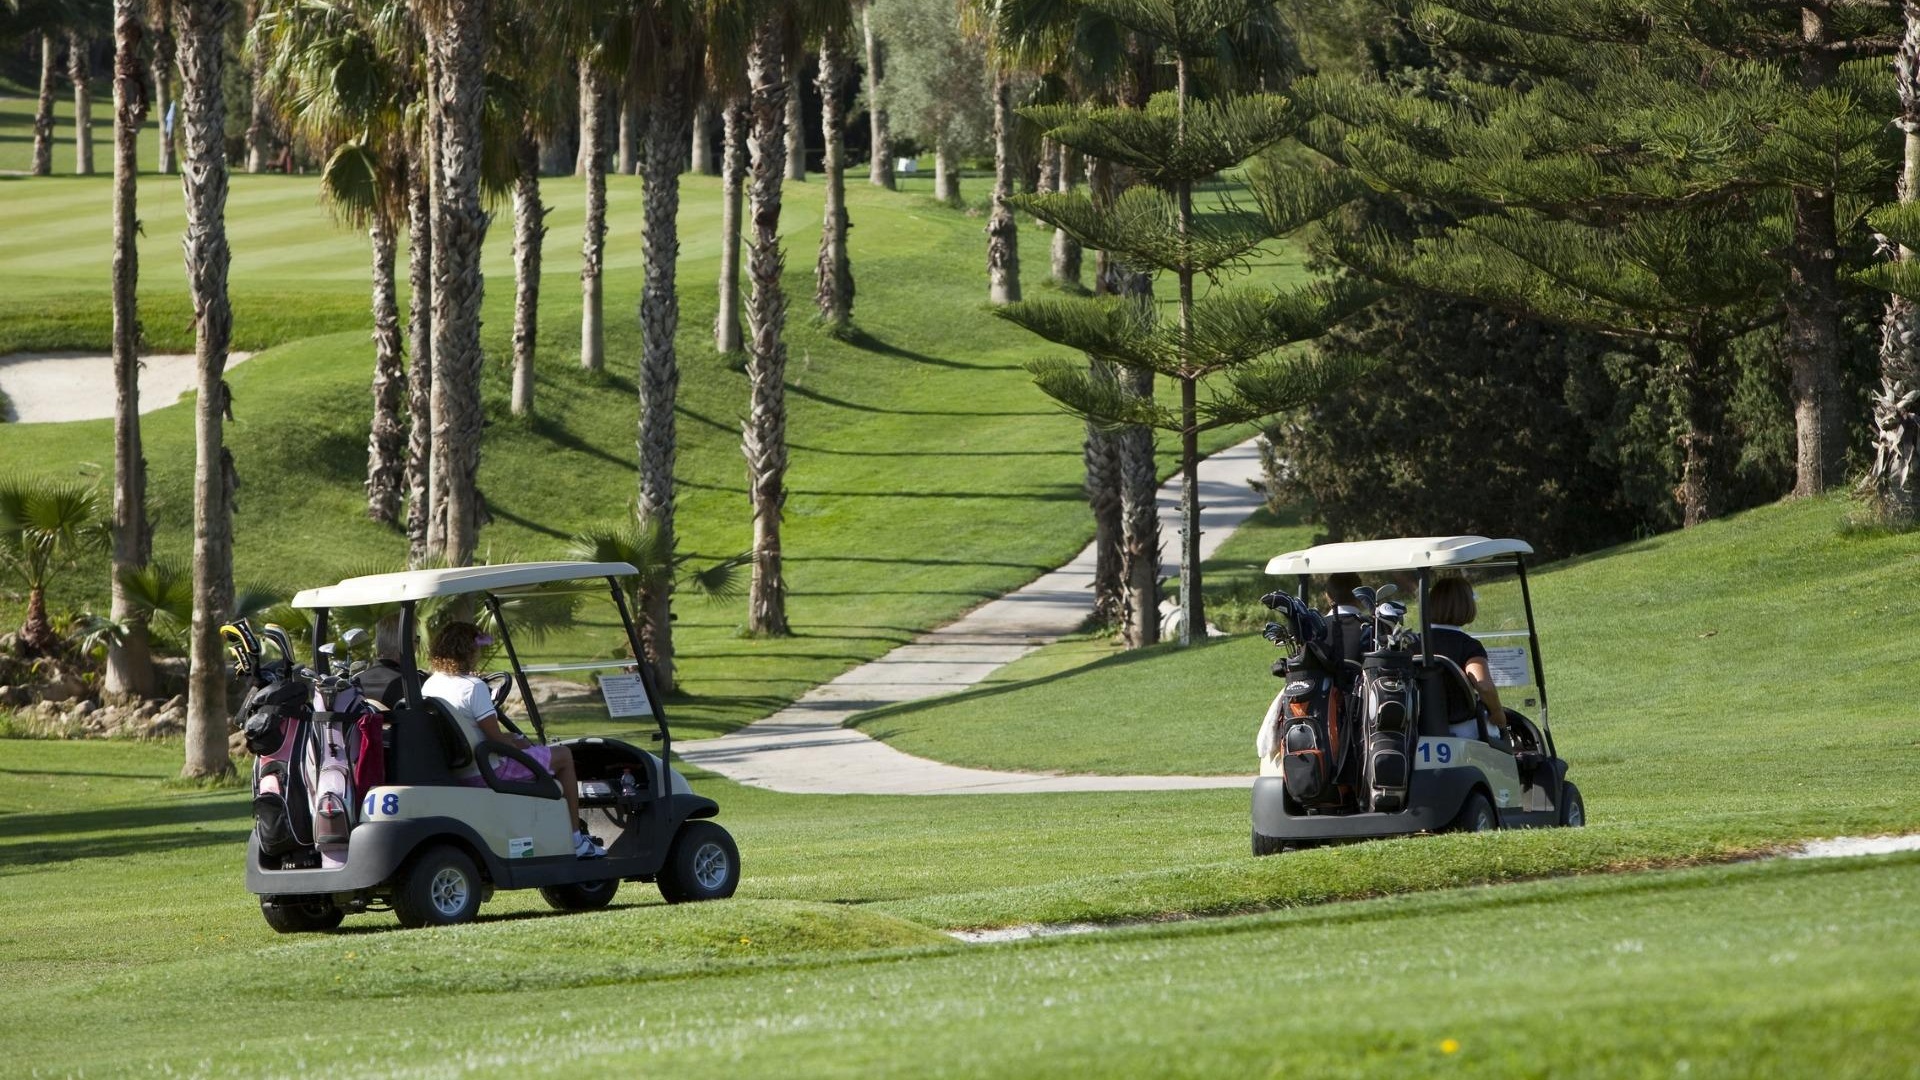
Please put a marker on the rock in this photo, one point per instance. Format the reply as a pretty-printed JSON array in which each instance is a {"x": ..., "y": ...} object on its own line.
[
  {"x": 176, "y": 702},
  {"x": 84, "y": 709},
  {"x": 170, "y": 722}
]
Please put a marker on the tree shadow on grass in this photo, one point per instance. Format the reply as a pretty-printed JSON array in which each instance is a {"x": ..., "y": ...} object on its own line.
[
  {"x": 801, "y": 448},
  {"x": 866, "y": 720},
  {"x": 842, "y": 403},
  {"x": 866, "y": 342},
  {"x": 552, "y": 430},
  {"x": 118, "y": 831}
]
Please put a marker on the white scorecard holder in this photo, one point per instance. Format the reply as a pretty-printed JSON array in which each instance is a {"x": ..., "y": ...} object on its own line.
[
  {"x": 1508, "y": 664},
  {"x": 626, "y": 695}
]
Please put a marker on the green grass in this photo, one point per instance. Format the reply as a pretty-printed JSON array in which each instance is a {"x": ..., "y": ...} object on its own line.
[
  {"x": 928, "y": 474},
  {"x": 1776, "y": 968}
]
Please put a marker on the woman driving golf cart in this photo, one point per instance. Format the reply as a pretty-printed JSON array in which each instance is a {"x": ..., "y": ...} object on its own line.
[
  {"x": 1454, "y": 606},
  {"x": 465, "y": 694}
]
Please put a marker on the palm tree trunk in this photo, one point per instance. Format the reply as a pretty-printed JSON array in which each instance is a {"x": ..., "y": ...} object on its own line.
[
  {"x": 129, "y": 663},
  {"x": 703, "y": 138},
  {"x": 946, "y": 173},
  {"x": 260, "y": 118},
  {"x": 796, "y": 128},
  {"x": 1193, "y": 600},
  {"x": 457, "y": 36},
  {"x": 659, "y": 363},
  {"x": 1100, "y": 453},
  {"x": 1813, "y": 300},
  {"x": 1066, "y": 250},
  {"x": 420, "y": 366},
  {"x": 733, "y": 168},
  {"x": 163, "y": 86},
  {"x": 1900, "y": 325},
  {"x": 1003, "y": 233},
  {"x": 593, "y": 243},
  {"x": 628, "y": 107},
  {"x": 387, "y": 440},
  {"x": 880, "y": 167},
  {"x": 764, "y": 434},
  {"x": 43, "y": 112},
  {"x": 1139, "y": 490},
  {"x": 833, "y": 274},
  {"x": 202, "y": 58},
  {"x": 78, "y": 71},
  {"x": 529, "y": 233}
]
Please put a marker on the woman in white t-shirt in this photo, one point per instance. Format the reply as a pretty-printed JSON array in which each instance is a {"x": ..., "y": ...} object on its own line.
[{"x": 468, "y": 699}]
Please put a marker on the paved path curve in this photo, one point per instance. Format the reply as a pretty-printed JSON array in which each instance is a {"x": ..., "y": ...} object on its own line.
[{"x": 804, "y": 749}]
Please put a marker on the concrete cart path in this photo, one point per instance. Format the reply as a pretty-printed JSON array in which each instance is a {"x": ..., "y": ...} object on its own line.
[
  {"x": 804, "y": 749},
  {"x": 53, "y": 387}
]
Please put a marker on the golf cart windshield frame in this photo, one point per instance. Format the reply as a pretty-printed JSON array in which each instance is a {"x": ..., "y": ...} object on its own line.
[{"x": 409, "y": 632}]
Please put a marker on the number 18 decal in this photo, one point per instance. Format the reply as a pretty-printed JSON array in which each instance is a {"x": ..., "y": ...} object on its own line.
[
  {"x": 389, "y": 804},
  {"x": 1436, "y": 751}
]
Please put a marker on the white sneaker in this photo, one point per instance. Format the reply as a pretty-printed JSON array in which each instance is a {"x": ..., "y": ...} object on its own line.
[{"x": 586, "y": 847}]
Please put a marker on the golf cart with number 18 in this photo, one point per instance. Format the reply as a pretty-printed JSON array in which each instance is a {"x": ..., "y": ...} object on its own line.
[{"x": 430, "y": 826}]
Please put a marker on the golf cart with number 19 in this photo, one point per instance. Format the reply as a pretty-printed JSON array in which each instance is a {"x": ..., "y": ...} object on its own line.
[
  {"x": 1375, "y": 734},
  {"x": 434, "y": 828}
]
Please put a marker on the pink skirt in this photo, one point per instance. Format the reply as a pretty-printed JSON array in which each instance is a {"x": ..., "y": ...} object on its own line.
[{"x": 508, "y": 769}]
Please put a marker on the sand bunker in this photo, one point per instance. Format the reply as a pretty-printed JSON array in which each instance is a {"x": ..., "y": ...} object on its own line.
[{"x": 57, "y": 386}]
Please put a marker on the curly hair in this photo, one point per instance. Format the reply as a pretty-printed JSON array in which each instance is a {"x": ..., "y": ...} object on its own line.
[{"x": 454, "y": 648}]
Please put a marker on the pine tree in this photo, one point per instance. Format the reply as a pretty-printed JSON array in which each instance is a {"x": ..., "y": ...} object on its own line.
[{"x": 1226, "y": 338}]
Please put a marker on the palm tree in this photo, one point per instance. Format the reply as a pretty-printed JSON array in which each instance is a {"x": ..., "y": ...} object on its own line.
[
  {"x": 45, "y": 525},
  {"x": 662, "y": 569},
  {"x": 160, "y": 23},
  {"x": 1003, "y": 234},
  {"x": 331, "y": 67},
  {"x": 204, "y": 176},
  {"x": 593, "y": 243},
  {"x": 764, "y": 434},
  {"x": 833, "y": 273},
  {"x": 733, "y": 172},
  {"x": 420, "y": 339},
  {"x": 79, "y": 69},
  {"x": 457, "y": 34},
  {"x": 260, "y": 112},
  {"x": 43, "y": 113},
  {"x": 129, "y": 663},
  {"x": 529, "y": 234},
  {"x": 880, "y": 163}
]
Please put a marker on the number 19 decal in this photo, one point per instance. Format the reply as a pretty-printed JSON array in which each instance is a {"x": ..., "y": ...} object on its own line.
[
  {"x": 1436, "y": 751},
  {"x": 388, "y": 804}
]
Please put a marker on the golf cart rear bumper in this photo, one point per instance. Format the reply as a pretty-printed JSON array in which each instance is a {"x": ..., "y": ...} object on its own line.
[
  {"x": 375, "y": 851},
  {"x": 1435, "y": 801}
]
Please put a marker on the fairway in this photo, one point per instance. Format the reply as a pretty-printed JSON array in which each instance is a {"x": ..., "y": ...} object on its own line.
[{"x": 1722, "y": 695}]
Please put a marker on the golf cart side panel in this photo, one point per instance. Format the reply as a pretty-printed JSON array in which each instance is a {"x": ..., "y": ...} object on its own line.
[
  {"x": 1442, "y": 755},
  {"x": 378, "y": 849},
  {"x": 510, "y": 826},
  {"x": 1434, "y": 802}
]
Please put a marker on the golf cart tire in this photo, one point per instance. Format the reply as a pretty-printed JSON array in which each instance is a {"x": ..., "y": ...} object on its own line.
[
  {"x": 1270, "y": 845},
  {"x": 1476, "y": 815},
  {"x": 441, "y": 887},
  {"x": 302, "y": 917},
  {"x": 702, "y": 864},
  {"x": 582, "y": 896},
  {"x": 1573, "y": 809}
]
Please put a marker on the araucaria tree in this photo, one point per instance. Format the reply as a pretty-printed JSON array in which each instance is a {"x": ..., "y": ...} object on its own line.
[
  {"x": 1228, "y": 339},
  {"x": 202, "y": 28}
]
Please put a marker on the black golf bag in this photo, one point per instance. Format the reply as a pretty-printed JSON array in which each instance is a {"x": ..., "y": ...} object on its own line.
[
  {"x": 274, "y": 720},
  {"x": 1316, "y": 710},
  {"x": 1387, "y": 709}
]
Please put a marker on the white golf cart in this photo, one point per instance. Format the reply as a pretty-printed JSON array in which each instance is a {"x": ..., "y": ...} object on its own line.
[
  {"x": 442, "y": 829},
  {"x": 1360, "y": 742}
]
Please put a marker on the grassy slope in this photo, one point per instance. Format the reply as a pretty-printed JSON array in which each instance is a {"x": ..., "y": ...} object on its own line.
[{"x": 927, "y": 472}]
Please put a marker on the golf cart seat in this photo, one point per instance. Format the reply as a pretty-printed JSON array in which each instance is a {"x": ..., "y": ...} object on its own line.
[
  {"x": 428, "y": 746},
  {"x": 1446, "y": 697}
]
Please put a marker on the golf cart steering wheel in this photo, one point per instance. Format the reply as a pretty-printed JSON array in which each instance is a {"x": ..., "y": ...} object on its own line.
[{"x": 500, "y": 684}]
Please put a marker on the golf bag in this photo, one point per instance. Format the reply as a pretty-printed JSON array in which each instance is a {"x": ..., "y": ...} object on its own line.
[
  {"x": 1310, "y": 737},
  {"x": 1387, "y": 721},
  {"x": 274, "y": 722},
  {"x": 1314, "y": 719}
]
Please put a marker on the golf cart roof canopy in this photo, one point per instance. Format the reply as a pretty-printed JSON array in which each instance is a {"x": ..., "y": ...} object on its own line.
[
  {"x": 452, "y": 581},
  {"x": 1408, "y": 553}
]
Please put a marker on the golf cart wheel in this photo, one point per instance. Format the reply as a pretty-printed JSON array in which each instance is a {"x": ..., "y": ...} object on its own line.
[
  {"x": 703, "y": 864},
  {"x": 1475, "y": 816},
  {"x": 440, "y": 888},
  {"x": 582, "y": 896},
  {"x": 1267, "y": 845},
  {"x": 1573, "y": 809},
  {"x": 303, "y": 917}
]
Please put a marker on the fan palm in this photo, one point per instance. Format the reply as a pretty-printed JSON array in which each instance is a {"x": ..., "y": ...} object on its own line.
[
  {"x": 662, "y": 569},
  {"x": 129, "y": 665},
  {"x": 45, "y": 526}
]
